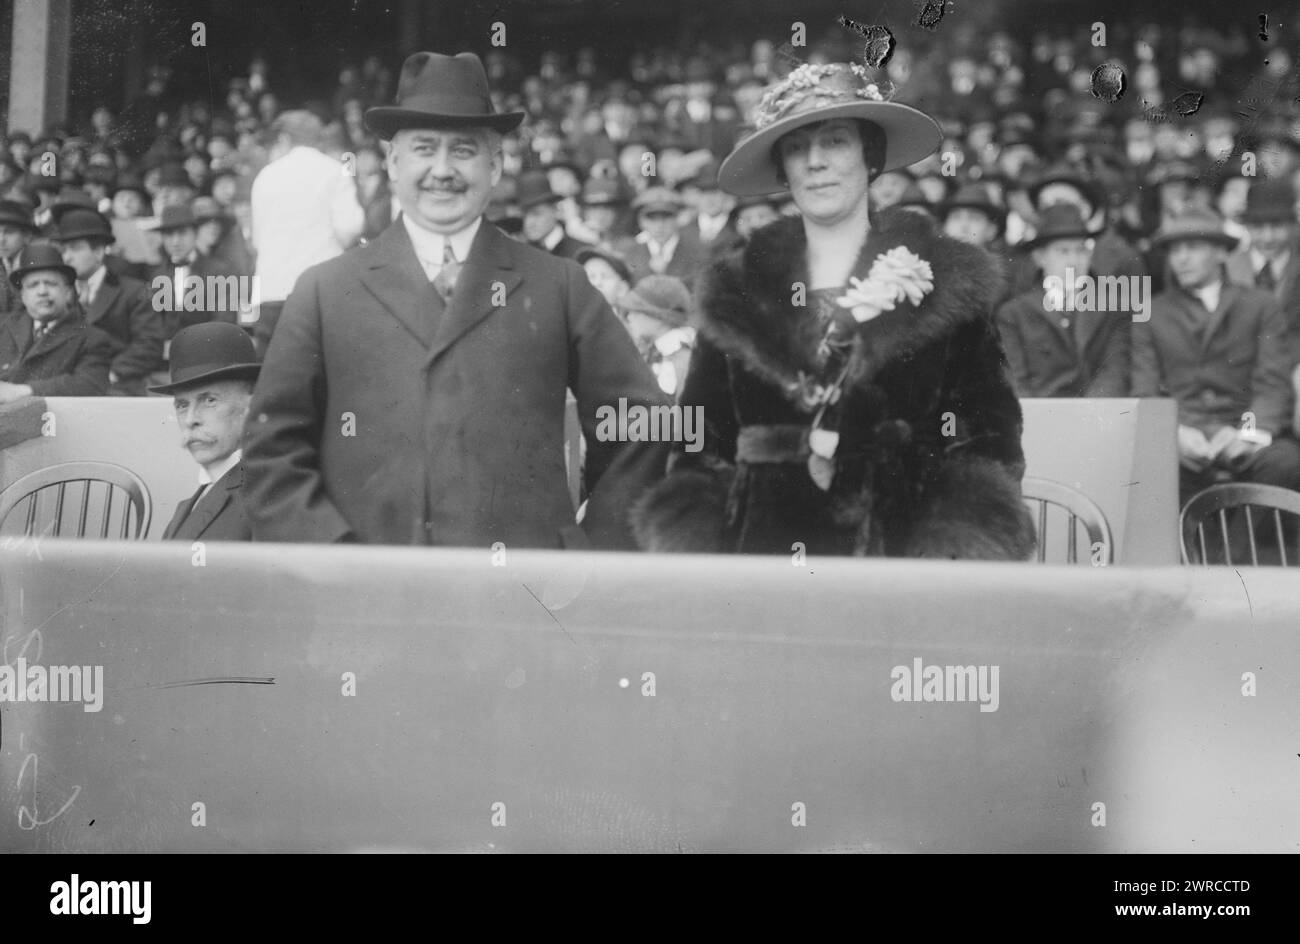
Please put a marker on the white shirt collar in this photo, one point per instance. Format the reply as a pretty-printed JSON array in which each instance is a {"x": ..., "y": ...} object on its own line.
[
  {"x": 429, "y": 245},
  {"x": 95, "y": 281},
  {"x": 1209, "y": 294},
  {"x": 222, "y": 467},
  {"x": 554, "y": 237},
  {"x": 665, "y": 249},
  {"x": 1278, "y": 265}
]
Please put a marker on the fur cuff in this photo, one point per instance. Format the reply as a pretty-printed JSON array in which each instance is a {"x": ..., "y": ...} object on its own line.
[
  {"x": 975, "y": 512},
  {"x": 686, "y": 512}
]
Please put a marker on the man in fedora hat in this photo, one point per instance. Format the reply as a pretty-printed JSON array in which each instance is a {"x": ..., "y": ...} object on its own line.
[
  {"x": 542, "y": 226},
  {"x": 661, "y": 247},
  {"x": 712, "y": 205},
  {"x": 414, "y": 391},
  {"x": 184, "y": 270},
  {"x": 118, "y": 304},
  {"x": 1054, "y": 349},
  {"x": 973, "y": 216},
  {"x": 46, "y": 347},
  {"x": 305, "y": 211},
  {"x": 17, "y": 227},
  {"x": 604, "y": 203},
  {"x": 1272, "y": 261},
  {"x": 213, "y": 369},
  {"x": 1220, "y": 350}
]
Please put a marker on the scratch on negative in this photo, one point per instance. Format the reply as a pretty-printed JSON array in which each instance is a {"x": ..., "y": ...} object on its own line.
[
  {"x": 68, "y": 606},
  {"x": 549, "y": 613},
  {"x": 226, "y": 680},
  {"x": 1243, "y": 587}
]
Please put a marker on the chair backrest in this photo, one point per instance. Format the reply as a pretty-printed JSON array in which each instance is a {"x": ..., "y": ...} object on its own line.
[
  {"x": 1217, "y": 500},
  {"x": 50, "y": 486},
  {"x": 1078, "y": 507}
]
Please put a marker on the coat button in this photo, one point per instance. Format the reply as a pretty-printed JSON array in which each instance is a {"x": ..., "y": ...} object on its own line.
[{"x": 1207, "y": 396}]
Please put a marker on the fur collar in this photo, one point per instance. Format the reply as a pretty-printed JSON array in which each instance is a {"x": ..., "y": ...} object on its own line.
[{"x": 746, "y": 300}]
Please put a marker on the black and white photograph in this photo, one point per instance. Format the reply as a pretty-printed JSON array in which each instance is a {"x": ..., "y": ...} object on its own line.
[{"x": 597, "y": 426}]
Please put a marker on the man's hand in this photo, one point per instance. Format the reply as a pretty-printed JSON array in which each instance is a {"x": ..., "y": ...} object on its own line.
[
  {"x": 1194, "y": 450},
  {"x": 1238, "y": 453},
  {"x": 9, "y": 392}
]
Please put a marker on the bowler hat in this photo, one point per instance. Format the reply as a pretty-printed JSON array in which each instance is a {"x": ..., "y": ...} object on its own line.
[
  {"x": 38, "y": 256},
  {"x": 661, "y": 296},
  {"x": 817, "y": 93},
  {"x": 1270, "y": 201},
  {"x": 914, "y": 199},
  {"x": 176, "y": 216},
  {"x": 79, "y": 223},
  {"x": 213, "y": 350},
  {"x": 533, "y": 188},
  {"x": 72, "y": 198},
  {"x": 14, "y": 213},
  {"x": 1060, "y": 221},
  {"x": 976, "y": 196},
  {"x": 1194, "y": 223},
  {"x": 615, "y": 262},
  {"x": 443, "y": 90}
]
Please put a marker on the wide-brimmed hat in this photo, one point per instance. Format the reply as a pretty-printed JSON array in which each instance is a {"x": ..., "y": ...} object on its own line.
[
  {"x": 816, "y": 93},
  {"x": 976, "y": 196},
  {"x": 214, "y": 350},
  {"x": 662, "y": 296},
  {"x": 1270, "y": 201},
  {"x": 176, "y": 216},
  {"x": 1060, "y": 221},
  {"x": 37, "y": 256},
  {"x": 657, "y": 198},
  {"x": 615, "y": 262},
  {"x": 80, "y": 223},
  {"x": 534, "y": 187},
  {"x": 1065, "y": 174},
  {"x": 14, "y": 213},
  {"x": 441, "y": 90},
  {"x": 1194, "y": 223}
]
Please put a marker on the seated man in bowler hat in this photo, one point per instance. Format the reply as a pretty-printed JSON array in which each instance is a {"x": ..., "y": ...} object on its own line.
[
  {"x": 213, "y": 369},
  {"x": 46, "y": 347},
  {"x": 414, "y": 389}
]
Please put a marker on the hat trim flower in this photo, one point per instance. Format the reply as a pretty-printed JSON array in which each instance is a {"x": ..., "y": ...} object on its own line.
[{"x": 804, "y": 87}]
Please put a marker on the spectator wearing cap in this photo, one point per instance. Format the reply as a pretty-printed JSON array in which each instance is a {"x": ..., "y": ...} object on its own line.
[
  {"x": 713, "y": 209},
  {"x": 46, "y": 347},
  {"x": 1272, "y": 262},
  {"x": 661, "y": 248},
  {"x": 305, "y": 212},
  {"x": 1218, "y": 349},
  {"x": 182, "y": 270},
  {"x": 656, "y": 313},
  {"x": 1055, "y": 351},
  {"x": 540, "y": 207},
  {"x": 17, "y": 227},
  {"x": 607, "y": 272},
  {"x": 117, "y": 304},
  {"x": 213, "y": 371}
]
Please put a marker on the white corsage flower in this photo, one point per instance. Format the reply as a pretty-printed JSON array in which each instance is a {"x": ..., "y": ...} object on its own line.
[{"x": 896, "y": 276}]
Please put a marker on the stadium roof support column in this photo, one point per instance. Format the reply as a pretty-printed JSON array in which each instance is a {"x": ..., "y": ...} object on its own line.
[{"x": 38, "y": 74}]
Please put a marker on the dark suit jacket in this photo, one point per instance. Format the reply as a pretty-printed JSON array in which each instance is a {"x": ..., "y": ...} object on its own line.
[
  {"x": 1241, "y": 271},
  {"x": 1088, "y": 359},
  {"x": 234, "y": 251},
  {"x": 218, "y": 516},
  {"x": 568, "y": 247},
  {"x": 203, "y": 267},
  {"x": 71, "y": 361},
  {"x": 123, "y": 309},
  {"x": 689, "y": 259},
  {"x": 1238, "y": 362},
  {"x": 391, "y": 419}
]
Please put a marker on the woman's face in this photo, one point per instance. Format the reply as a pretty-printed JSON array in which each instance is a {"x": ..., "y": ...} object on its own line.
[{"x": 826, "y": 169}]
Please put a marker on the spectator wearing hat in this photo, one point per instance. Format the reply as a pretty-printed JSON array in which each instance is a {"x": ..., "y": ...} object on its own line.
[
  {"x": 182, "y": 269},
  {"x": 1219, "y": 349},
  {"x": 213, "y": 370},
  {"x": 1054, "y": 351},
  {"x": 607, "y": 272},
  {"x": 174, "y": 187},
  {"x": 604, "y": 206},
  {"x": 748, "y": 213},
  {"x": 216, "y": 235},
  {"x": 915, "y": 200},
  {"x": 661, "y": 248},
  {"x": 1272, "y": 262},
  {"x": 459, "y": 398},
  {"x": 656, "y": 313},
  {"x": 46, "y": 347},
  {"x": 713, "y": 206},
  {"x": 117, "y": 304},
  {"x": 540, "y": 207},
  {"x": 17, "y": 227},
  {"x": 973, "y": 216},
  {"x": 130, "y": 213},
  {"x": 304, "y": 211}
]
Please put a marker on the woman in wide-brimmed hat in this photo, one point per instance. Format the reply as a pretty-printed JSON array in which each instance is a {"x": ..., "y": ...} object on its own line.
[{"x": 855, "y": 393}]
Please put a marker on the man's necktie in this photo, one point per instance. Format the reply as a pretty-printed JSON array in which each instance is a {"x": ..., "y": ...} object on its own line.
[
  {"x": 1264, "y": 279},
  {"x": 83, "y": 294},
  {"x": 445, "y": 281}
]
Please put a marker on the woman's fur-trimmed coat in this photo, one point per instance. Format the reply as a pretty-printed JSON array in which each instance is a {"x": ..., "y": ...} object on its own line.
[{"x": 929, "y": 460}]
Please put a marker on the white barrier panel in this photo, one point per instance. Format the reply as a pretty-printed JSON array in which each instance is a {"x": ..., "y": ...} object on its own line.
[{"x": 261, "y": 697}]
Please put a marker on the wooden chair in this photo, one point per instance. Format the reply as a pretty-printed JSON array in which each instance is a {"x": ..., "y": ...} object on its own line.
[
  {"x": 1217, "y": 500},
  {"x": 1079, "y": 507},
  {"x": 52, "y": 483}
]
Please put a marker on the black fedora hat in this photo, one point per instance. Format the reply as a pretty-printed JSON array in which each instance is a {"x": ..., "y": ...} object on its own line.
[
  {"x": 176, "y": 216},
  {"x": 534, "y": 187},
  {"x": 439, "y": 90},
  {"x": 38, "y": 256},
  {"x": 1194, "y": 223},
  {"x": 1065, "y": 174},
  {"x": 214, "y": 350},
  {"x": 1060, "y": 221},
  {"x": 80, "y": 223},
  {"x": 976, "y": 196},
  {"x": 14, "y": 213},
  {"x": 1270, "y": 201}
]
